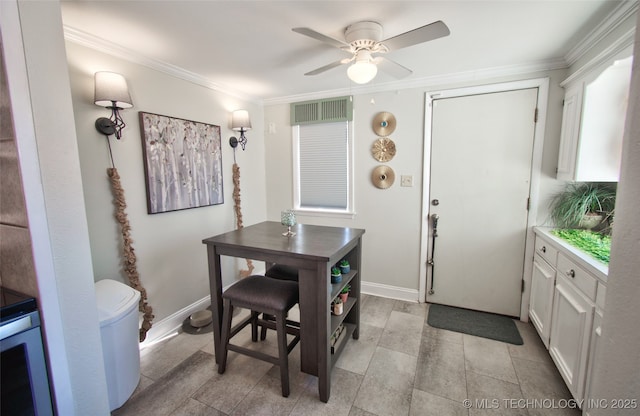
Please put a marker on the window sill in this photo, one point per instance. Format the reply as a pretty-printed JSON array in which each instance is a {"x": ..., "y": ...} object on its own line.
[{"x": 324, "y": 213}]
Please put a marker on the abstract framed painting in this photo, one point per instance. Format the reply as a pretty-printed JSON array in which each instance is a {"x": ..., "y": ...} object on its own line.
[{"x": 182, "y": 163}]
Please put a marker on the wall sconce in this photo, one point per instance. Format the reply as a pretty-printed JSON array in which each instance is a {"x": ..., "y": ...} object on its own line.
[
  {"x": 363, "y": 70},
  {"x": 240, "y": 122},
  {"x": 111, "y": 92}
]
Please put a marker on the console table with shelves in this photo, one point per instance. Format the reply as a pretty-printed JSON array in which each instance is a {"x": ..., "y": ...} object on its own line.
[
  {"x": 350, "y": 313},
  {"x": 313, "y": 251}
]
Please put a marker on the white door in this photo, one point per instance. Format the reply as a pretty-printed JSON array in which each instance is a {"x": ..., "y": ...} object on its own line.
[{"x": 480, "y": 174}]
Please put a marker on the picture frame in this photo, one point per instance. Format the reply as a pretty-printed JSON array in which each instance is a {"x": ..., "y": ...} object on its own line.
[{"x": 182, "y": 163}]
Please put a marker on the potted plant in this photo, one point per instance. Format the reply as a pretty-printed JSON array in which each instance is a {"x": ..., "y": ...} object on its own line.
[
  {"x": 336, "y": 275},
  {"x": 344, "y": 293},
  {"x": 584, "y": 205},
  {"x": 344, "y": 266},
  {"x": 337, "y": 307}
]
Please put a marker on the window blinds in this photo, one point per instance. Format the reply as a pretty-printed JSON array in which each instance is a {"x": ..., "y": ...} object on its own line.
[{"x": 324, "y": 165}]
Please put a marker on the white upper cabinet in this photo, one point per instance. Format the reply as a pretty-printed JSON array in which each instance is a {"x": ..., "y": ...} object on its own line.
[
  {"x": 571, "y": 112},
  {"x": 593, "y": 118}
]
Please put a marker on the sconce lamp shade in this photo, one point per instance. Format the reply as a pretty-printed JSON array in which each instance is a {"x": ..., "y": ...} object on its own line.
[
  {"x": 111, "y": 88},
  {"x": 111, "y": 92},
  {"x": 240, "y": 121},
  {"x": 363, "y": 70}
]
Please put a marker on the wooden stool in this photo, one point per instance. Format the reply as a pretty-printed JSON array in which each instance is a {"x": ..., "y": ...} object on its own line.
[
  {"x": 280, "y": 272},
  {"x": 265, "y": 295}
]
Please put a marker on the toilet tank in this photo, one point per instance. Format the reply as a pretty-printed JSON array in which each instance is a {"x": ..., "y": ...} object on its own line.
[{"x": 118, "y": 314}]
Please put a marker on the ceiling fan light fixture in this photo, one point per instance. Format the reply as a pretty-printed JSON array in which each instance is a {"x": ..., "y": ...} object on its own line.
[
  {"x": 363, "y": 70},
  {"x": 362, "y": 39}
]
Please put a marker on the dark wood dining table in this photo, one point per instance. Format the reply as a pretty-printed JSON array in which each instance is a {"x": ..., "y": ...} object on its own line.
[{"x": 313, "y": 251}]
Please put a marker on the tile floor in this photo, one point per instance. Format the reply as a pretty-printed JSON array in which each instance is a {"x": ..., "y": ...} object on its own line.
[{"x": 399, "y": 366}]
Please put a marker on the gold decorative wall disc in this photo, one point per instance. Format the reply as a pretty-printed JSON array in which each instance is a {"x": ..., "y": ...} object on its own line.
[
  {"x": 383, "y": 149},
  {"x": 384, "y": 123},
  {"x": 383, "y": 177}
]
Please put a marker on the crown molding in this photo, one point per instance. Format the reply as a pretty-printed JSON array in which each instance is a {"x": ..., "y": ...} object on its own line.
[
  {"x": 436, "y": 81},
  {"x": 90, "y": 41},
  {"x": 622, "y": 44},
  {"x": 610, "y": 23}
]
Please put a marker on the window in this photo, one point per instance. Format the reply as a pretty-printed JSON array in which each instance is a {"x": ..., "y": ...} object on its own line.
[{"x": 322, "y": 151}]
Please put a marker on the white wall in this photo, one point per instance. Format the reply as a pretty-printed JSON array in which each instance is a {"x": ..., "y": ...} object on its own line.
[
  {"x": 171, "y": 258},
  {"x": 45, "y": 135},
  {"x": 392, "y": 217},
  {"x": 617, "y": 361}
]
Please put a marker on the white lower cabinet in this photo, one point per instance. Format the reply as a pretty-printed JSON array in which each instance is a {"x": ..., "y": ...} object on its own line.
[
  {"x": 595, "y": 342},
  {"x": 566, "y": 308},
  {"x": 540, "y": 304},
  {"x": 571, "y": 326}
]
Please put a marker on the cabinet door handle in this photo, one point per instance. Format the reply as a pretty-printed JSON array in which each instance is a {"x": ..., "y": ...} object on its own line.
[
  {"x": 571, "y": 273},
  {"x": 543, "y": 249}
]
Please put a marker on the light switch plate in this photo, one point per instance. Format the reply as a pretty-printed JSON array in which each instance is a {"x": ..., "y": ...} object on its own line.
[{"x": 406, "y": 180}]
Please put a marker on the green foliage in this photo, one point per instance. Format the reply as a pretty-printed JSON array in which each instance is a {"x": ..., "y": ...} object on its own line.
[
  {"x": 569, "y": 206},
  {"x": 344, "y": 263},
  {"x": 346, "y": 289},
  {"x": 595, "y": 244},
  {"x": 335, "y": 271}
]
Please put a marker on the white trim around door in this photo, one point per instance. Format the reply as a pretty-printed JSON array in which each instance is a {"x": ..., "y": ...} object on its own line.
[{"x": 542, "y": 84}]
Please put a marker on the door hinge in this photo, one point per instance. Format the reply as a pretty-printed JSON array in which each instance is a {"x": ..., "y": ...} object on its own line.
[
  {"x": 535, "y": 116},
  {"x": 522, "y": 288},
  {"x": 528, "y": 203}
]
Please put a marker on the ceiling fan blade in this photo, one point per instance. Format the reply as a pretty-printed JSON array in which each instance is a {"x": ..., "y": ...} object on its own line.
[
  {"x": 422, "y": 34},
  {"x": 319, "y": 36},
  {"x": 327, "y": 67},
  {"x": 391, "y": 67}
]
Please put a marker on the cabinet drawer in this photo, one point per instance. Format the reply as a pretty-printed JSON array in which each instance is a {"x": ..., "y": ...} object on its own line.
[
  {"x": 585, "y": 282},
  {"x": 546, "y": 251}
]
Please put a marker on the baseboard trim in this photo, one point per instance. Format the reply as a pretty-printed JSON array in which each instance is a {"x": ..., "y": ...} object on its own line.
[
  {"x": 392, "y": 292},
  {"x": 172, "y": 324}
]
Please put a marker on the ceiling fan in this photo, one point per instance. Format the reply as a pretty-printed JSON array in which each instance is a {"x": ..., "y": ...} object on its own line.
[{"x": 364, "y": 40}]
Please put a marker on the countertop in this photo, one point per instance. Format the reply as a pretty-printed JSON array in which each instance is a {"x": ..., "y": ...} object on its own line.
[{"x": 590, "y": 264}]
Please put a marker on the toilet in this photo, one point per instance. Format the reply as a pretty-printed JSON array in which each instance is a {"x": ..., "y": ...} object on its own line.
[{"x": 117, "y": 312}]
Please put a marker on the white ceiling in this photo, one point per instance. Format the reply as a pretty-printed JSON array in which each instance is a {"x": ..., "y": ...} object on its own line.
[{"x": 247, "y": 47}]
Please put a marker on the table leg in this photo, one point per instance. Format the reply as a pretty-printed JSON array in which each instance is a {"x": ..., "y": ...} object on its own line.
[
  {"x": 315, "y": 318},
  {"x": 215, "y": 287}
]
